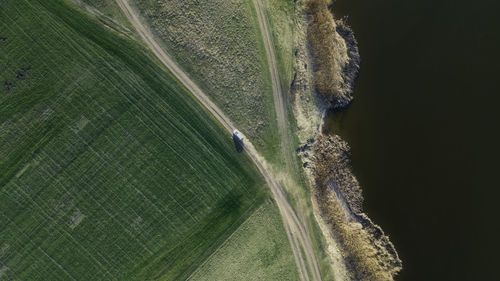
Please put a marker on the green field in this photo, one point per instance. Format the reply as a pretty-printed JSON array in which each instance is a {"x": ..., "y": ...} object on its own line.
[{"x": 110, "y": 170}]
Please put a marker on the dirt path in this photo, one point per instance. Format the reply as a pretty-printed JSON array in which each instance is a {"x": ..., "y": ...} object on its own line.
[
  {"x": 278, "y": 97},
  {"x": 298, "y": 235},
  {"x": 287, "y": 149}
]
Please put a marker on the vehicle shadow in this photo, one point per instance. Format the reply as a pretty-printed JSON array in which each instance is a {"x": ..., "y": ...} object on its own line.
[{"x": 238, "y": 144}]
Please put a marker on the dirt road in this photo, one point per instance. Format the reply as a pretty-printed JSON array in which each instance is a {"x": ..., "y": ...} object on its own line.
[
  {"x": 280, "y": 105},
  {"x": 278, "y": 97},
  {"x": 297, "y": 233}
]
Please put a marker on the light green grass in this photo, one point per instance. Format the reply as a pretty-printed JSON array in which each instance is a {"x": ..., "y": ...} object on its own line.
[
  {"x": 258, "y": 250},
  {"x": 218, "y": 43},
  {"x": 110, "y": 170},
  {"x": 280, "y": 14}
]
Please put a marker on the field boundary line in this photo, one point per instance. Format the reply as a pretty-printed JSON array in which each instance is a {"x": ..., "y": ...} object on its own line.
[{"x": 224, "y": 242}]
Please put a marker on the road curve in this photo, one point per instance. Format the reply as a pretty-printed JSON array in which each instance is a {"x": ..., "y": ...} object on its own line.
[{"x": 298, "y": 235}]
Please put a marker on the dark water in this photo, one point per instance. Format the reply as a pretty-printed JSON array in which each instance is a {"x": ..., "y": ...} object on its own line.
[{"x": 424, "y": 131}]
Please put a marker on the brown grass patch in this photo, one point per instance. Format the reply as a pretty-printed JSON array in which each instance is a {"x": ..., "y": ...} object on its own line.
[
  {"x": 329, "y": 54},
  {"x": 368, "y": 253}
]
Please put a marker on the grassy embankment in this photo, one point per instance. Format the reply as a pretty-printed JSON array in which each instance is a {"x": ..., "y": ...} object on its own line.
[
  {"x": 367, "y": 252},
  {"x": 110, "y": 169},
  {"x": 281, "y": 16}
]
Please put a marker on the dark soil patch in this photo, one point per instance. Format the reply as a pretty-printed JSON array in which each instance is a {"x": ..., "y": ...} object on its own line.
[
  {"x": 8, "y": 85},
  {"x": 21, "y": 74}
]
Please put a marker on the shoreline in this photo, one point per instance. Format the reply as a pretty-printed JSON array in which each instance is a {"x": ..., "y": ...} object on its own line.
[{"x": 359, "y": 245}]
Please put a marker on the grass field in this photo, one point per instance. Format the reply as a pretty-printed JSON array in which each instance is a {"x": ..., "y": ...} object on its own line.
[
  {"x": 258, "y": 250},
  {"x": 218, "y": 44},
  {"x": 110, "y": 170}
]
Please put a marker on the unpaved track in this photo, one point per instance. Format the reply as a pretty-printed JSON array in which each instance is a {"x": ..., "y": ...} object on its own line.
[
  {"x": 278, "y": 97},
  {"x": 297, "y": 233},
  {"x": 280, "y": 106}
]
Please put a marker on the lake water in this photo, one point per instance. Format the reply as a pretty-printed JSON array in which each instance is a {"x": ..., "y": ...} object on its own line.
[{"x": 424, "y": 131}]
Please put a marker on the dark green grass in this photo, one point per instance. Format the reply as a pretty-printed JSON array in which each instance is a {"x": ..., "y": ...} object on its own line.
[{"x": 109, "y": 169}]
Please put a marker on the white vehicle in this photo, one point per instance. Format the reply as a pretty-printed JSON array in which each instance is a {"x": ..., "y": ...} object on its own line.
[{"x": 238, "y": 136}]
